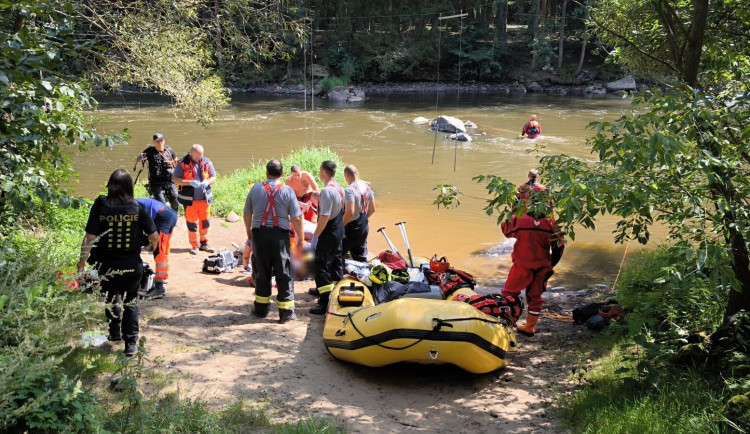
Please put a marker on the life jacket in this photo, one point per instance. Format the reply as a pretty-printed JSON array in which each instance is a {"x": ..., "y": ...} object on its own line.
[
  {"x": 533, "y": 129},
  {"x": 497, "y": 305},
  {"x": 185, "y": 193},
  {"x": 534, "y": 239},
  {"x": 527, "y": 189},
  {"x": 121, "y": 230},
  {"x": 270, "y": 204}
]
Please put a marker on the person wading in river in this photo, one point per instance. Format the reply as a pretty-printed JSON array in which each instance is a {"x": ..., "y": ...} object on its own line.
[{"x": 532, "y": 128}]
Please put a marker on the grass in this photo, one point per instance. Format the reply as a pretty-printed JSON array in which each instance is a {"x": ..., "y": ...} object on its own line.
[
  {"x": 230, "y": 191},
  {"x": 684, "y": 402}
]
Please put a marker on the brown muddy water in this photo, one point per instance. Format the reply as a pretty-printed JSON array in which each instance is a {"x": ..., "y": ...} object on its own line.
[{"x": 396, "y": 157}]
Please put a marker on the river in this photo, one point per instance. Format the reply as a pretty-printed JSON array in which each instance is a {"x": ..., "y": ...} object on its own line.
[{"x": 395, "y": 156}]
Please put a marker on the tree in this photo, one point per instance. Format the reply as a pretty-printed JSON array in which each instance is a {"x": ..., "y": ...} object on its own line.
[{"x": 42, "y": 108}]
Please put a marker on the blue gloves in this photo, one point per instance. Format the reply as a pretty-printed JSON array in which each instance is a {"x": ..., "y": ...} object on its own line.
[
  {"x": 195, "y": 183},
  {"x": 314, "y": 242},
  {"x": 204, "y": 184}
]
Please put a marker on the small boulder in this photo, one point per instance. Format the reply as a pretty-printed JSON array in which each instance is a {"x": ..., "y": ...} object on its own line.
[
  {"x": 460, "y": 137},
  {"x": 535, "y": 87},
  {"x": 623, "y": 84},
  {"x": 232, "y": 217},
  {"x": 470, "y": 124},
  {"x": 420, "y": 120}
]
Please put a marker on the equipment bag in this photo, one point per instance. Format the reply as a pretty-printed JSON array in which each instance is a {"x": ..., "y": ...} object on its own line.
[
  {"x": 222, "y": 262},
  {"x": 497, "y": 305},
  {"x": 598, "y": 315},
  {"x": 394, "y": 261},
  {"x": 455, "y": 279},
  {"x": 147, "y": 278}
]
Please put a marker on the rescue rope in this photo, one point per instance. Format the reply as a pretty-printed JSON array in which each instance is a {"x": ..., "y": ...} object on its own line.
[
  {"x": 558, "y": 317},
  {"x": 614, "y": 285},
  {"x": 495, "y": 128}
]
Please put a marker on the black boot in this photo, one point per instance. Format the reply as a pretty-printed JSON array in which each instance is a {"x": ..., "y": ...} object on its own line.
[
  {"x": 286, "y": 315},
  {"x": 260, "y": 310},
  {"x": 322, "y": 307},
  {"x": 157, "y": 291}
]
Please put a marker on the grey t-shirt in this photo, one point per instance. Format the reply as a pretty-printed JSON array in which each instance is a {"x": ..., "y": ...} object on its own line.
[
  {"x": 286, "y": 205},
  {"x": 331, "y": 202},
  {"x": 354, "y": 192}
]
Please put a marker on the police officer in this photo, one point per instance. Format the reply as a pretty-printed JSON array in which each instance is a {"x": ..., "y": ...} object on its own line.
[
  {"x": 359, "y": 205},
  {"x": 271, "y": 209},
  {"x": 328, "y": 236},
  {"x": 165, "y": 220},
  {"x": 161, "y": 163},
  {"x": 194, "y": 176},
  {"x": 116, "y": 226}
]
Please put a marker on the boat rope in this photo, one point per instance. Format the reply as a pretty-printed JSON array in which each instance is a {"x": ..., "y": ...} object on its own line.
[{"x": 439, "y": 323}]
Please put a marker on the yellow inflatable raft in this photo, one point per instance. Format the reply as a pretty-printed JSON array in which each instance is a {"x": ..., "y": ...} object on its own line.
[{"x": 414, "y": 330}]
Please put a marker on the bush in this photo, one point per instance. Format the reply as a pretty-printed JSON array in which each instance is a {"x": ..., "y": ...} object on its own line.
[
  {"x": 330, "y": 83},
  {"x": 42, "y": 323},
  {"x": 230, "y": 191}
]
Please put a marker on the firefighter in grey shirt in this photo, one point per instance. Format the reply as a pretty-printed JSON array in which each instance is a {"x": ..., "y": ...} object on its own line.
[
  {"x": 329, "y": 262},
  {"x": 271, "y": 209}
]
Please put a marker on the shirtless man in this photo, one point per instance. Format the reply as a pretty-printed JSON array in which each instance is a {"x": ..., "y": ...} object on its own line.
[{"x": 304, "y": 186}]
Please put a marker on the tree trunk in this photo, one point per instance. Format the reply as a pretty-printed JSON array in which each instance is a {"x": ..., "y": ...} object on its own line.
[
  {"x": 501, "y": 29},
  {"x": 739, "y": 298},
  {"x": 535, "y": 31},
  {"x": 583, "y": 52},
  {"x": 582, "y": 57},
  {"x": 562, "y": 35},
  {"x": 219, "y": 48}
]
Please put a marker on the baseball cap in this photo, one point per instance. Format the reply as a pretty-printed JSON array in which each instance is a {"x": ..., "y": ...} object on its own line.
[{"x": 158, "y": 136}]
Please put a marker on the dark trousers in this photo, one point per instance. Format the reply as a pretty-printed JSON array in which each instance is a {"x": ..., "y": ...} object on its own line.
[
  {"x": 121, "y": 286},
  {"x": 164, "y": 192},
  {"x": 271, "y": 258},
  {"x": 355, "y": 238},
  {"x": 329, "y": 263}
]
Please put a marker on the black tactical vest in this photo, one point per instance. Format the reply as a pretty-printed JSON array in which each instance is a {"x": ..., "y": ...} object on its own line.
[{"x": 121, "y": 231}]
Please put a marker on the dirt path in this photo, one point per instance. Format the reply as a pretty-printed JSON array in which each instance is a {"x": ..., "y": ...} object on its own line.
[{"x": 204, "y": 330}]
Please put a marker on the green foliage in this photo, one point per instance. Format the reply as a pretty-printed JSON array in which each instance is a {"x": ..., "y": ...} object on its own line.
[
  {"x": 477, "y": 56},
  {"x": 447, "y": 196},
  {"x": 310, "y": 425},
  {"x": 41, "y": 115},
  {"x": 329, "y": 83},
  {"x": 230, "y": 191},
  {"x": 40, "y": 319},
  {"x": 684, "y": 401},
  {"x": 341, "y": 60}
]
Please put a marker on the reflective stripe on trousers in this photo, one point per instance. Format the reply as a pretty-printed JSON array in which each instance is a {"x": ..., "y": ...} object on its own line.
[{"x": 197, "y": 219}]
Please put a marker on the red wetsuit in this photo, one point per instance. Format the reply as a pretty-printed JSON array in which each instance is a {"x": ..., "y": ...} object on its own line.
[
  {"x": 527, "y": 129},
  {"x": 539, "y": 246}
]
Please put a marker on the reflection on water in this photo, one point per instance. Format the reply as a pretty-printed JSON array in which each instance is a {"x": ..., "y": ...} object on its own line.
[{"x": 395, "y": 156}]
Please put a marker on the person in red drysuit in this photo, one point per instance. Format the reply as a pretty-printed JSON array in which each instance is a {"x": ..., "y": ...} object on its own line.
[
  {"x": 532, "y": 128},
  {"x": 539, "y": 247}
]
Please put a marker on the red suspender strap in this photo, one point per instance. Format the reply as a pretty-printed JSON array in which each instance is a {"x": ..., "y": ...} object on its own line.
[
  {"x": 337, "y": 187},
  {"x": 365, "y": 197},
  {"x": 270, "y": 205}
]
